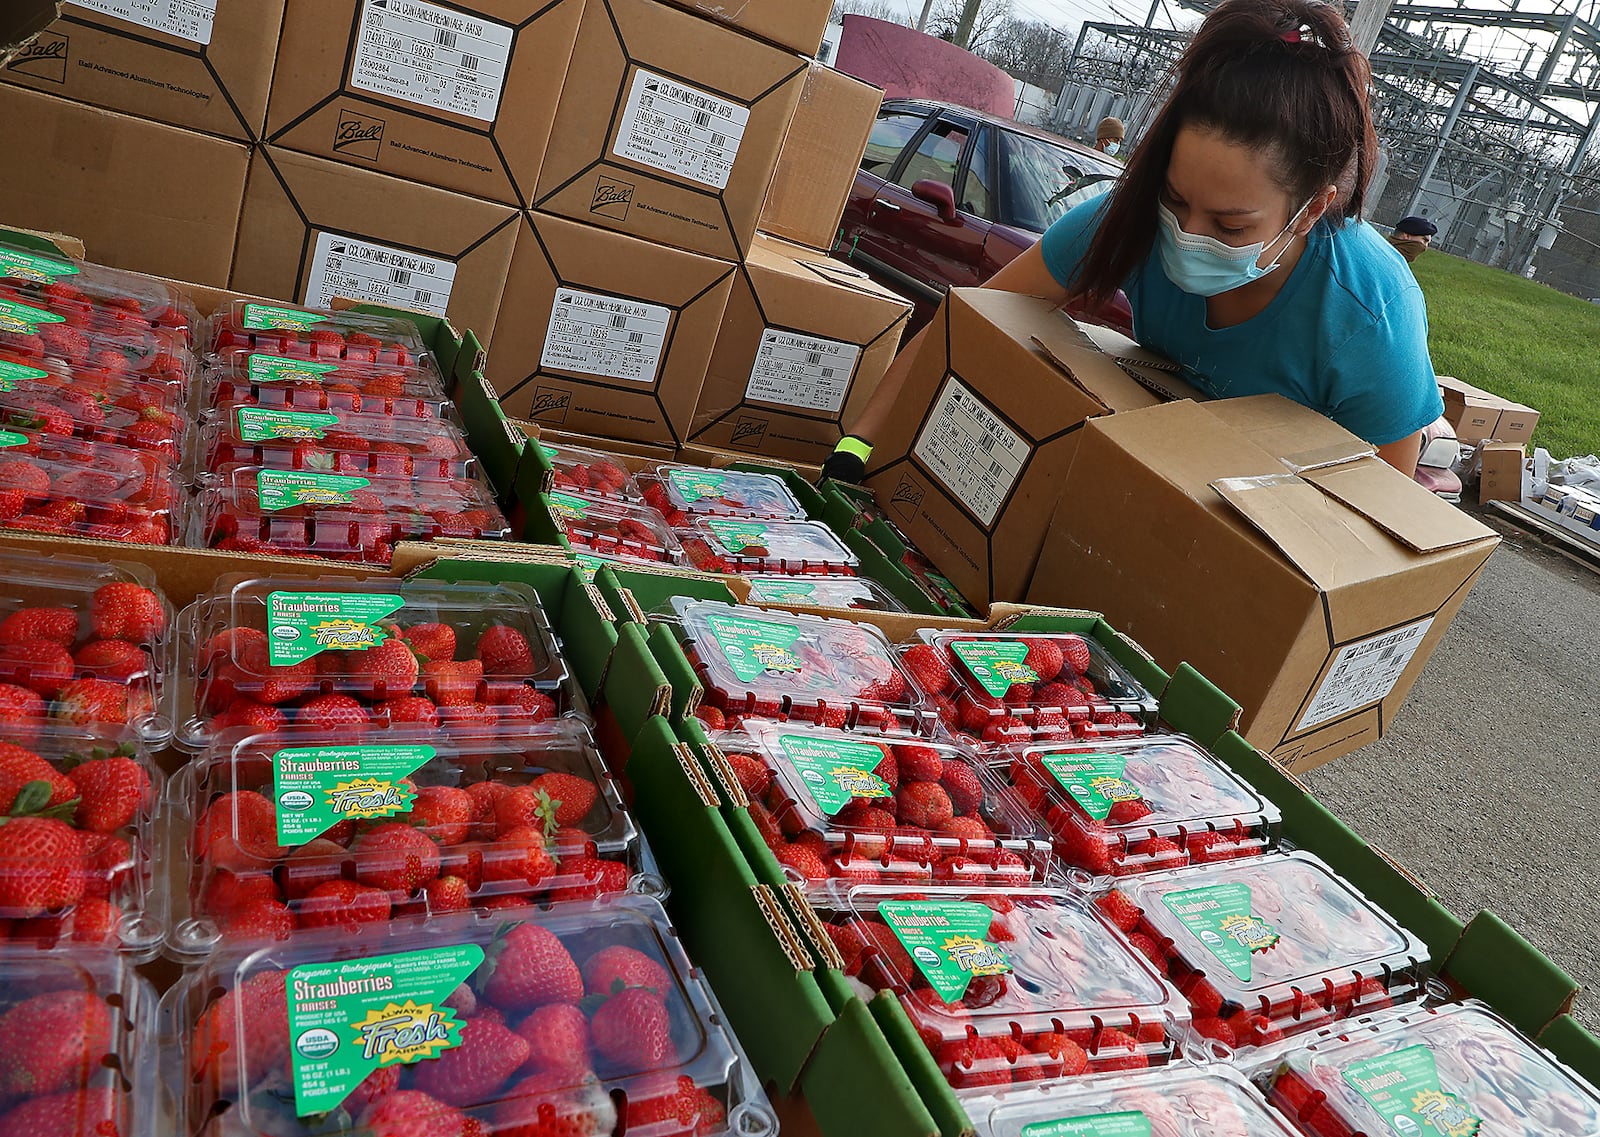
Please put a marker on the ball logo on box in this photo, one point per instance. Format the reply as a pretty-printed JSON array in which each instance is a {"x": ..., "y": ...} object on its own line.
[
  {"x": 550, "y": 404},
  {"x": 908, "y": 497},
  {"x": 359, "y": 135},
  {"x": 751, "y": 431},
  {"x": 612, "y": 198},
  {"x": 44, "y": 58}
]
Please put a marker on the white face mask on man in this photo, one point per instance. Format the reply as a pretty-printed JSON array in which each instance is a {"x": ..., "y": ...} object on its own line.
[{"x": 1111, "y": 149}]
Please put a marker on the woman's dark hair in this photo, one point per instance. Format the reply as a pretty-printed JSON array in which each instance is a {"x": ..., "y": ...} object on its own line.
[{"x": 1278, "y": 76}]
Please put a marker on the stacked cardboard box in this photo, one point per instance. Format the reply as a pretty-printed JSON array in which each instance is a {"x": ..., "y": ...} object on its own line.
[{"x": 1481, "y": 416}]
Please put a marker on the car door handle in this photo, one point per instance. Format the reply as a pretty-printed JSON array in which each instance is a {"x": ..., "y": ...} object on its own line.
[{"x": 889, "y": 205}]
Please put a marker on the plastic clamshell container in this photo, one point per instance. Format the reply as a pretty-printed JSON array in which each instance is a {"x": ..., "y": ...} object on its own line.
[
  {"x": 1274, "y": 945},
  {"x": 1006, "y": 688},
  {"x": 1007, "y": 985},
  {"x": 1457, "y": 1069},
  {"x": 591, "y": 473},
  {"x": 495, "y": 988},
  {"x": 65, "y": 285},
  {"x": 343, "y": 517},
  {"x": 745, "y": 546},
  {"x": 686, "y": 492},
  {"x": 302, "y": 829},
  {"x": 92, "y": 339},
  {"x": 780, "y": 665},
  {"x": 859, "y": 593},
  {"x": 1138, "y": 805},
  {"x": 626, "y": 529},
  {"x": 268, "y": 652},
  {"x": 96, "y": 801},
  {"x": 91, "y": 405},
  {"x": 1178, "y": 1101},
  {"x": 51, "y": 483},
  {"x": 84, "y": 644},
  {"x": 306, "y": 333},
  {"x": 102, "y": 1081},
  {"x": 333, "y": 442},
  {"x": 871, "y": 822},
  {"x": 242, "y": 376}
]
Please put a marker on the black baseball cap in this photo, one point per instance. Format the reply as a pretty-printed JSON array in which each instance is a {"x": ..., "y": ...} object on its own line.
[{"x": 1416, "y": 227}]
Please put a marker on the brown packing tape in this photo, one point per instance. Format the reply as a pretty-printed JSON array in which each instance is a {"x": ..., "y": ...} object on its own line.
[
  {"x": 732, "y": 792},
  {"x": 703, "y": 787},
  {"x": 821, "y": 943},
  {"x": 782, "y": 930}
]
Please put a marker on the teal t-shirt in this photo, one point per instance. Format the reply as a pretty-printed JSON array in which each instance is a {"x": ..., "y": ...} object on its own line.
[{"x": 1347, "y": 335}]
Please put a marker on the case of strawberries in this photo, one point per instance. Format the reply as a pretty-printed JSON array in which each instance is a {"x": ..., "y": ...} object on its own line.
[
  {"x": 685, "y": 493},
  {"x": 586, "y": 1019},
  {"x": 626, "y": 531}
]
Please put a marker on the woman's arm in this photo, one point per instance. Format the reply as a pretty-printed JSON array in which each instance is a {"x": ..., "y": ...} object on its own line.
[{"x": 1403, "y": 455}]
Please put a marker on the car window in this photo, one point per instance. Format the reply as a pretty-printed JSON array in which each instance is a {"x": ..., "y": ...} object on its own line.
[
  {"x": 937, "y": 156},
  {"x": 889, "y": 136},
  {"x": 977, "y": 191},
  {"x": 1044, "y": 181}
]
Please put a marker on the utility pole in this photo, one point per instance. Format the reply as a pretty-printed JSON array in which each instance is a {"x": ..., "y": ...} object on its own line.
[
  {"x": 1367, "y": 23},
  {"x": 969, "y": 20},
  {"x": 927, "y": 11}
]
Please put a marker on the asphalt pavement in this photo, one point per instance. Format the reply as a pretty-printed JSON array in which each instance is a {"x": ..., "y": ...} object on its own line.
[{"x": 1488, "y": 784}]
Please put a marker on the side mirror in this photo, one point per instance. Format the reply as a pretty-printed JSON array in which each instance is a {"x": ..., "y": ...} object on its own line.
[{"x": 940, "y": 196}]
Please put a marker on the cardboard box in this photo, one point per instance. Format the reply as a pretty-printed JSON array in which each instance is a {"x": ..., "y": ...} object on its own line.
[
  {"x": 804, "y": 344},
  {"x": 972, "y": 465},
  {"x": 204, "y": 66},
  {"x": 144, "y": 196},
  {"x": 669, "y": 127},
  {"x": 1266, "y": 546},
  {"x": 795, "y": 24},
  {"x": 459, "y": 96},
  {"x": 1500, "y": 471},
  {"x": 1478, "y": 415},
  {"x": 314, "y": 229},
  {"x": 21, "y": 21},
  {"x": 606, "y": 334},
  {"x": 821, "y": 157}
]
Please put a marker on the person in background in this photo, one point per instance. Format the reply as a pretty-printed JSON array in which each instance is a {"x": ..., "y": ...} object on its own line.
[
  {"x": 1411, "y": 235},
  {"x": 1236, "y": 234},
  {"x": 1108, "y": 136}
]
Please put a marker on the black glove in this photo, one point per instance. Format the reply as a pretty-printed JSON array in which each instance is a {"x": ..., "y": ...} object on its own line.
[{"x": 848, "y": 462}]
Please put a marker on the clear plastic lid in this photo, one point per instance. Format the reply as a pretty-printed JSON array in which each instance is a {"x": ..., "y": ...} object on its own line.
[
  {"x": 742, "y": 546},
  {"x": 94, "y": 406},
  {"x": 761, "y": 664},
  {"x": 586, "y": 1018},
  {"x": 360, "y": 656},
  {"x": 1178, "y": 1101},
  {"x": 78, "y": 1036},
  {"x": 1271, "y": 946},
  {"x": 343, "y": 517},
  {"x": 684, "y": 493},
  {"x": 79, "y": 858},
  {"x": 835, "y": 805},
  {"x": 1456, "y": 1071},
  {"x": 1007, "y": 985},
  {"x": 308, "y": 333},
  {"x": 854, "y": 592},
  {"x": 83, "y": 644},
  {"x": 1138, "y": 805},
  {"x": 333, "y": 442},
  {"x": 621, "y": 529},
  {"x": 1007, "y": 689},
  {"x": 302, "y": 829},
  {"x": 591, "y": 473},
  {"x": 67, "y": 285},
  {"x": 51, "y": 483},
  {"x": 99, "y": 340},
  {"x": 242, "y": 376}
]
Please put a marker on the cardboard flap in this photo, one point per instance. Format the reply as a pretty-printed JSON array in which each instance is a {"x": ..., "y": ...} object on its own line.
[
  {"x": 1397, "y": 505},
  {"x": 1323, "y": 457},
  {"x": 1295, "y": 517},
  {"x": 1099, "y": 376},
  {"x": 1125, "y": 349}
]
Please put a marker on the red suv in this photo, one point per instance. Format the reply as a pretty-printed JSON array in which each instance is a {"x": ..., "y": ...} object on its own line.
[{"x": 947, "y": 196}]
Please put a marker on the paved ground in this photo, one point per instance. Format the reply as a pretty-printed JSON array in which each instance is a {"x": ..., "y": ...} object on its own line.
[{"x": 1488, "y": 784}]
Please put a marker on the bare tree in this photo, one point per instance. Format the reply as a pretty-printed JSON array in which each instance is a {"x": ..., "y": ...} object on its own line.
[
  {"x": 876, "y": 9},
  {"x": 990, "y": 17},
  {"x": 1031, "y": 51}
]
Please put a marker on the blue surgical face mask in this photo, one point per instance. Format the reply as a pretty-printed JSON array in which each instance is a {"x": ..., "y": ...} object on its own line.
[
  {"x": 1112, "y": 148},
  {"x": 1206, "y": 266}
]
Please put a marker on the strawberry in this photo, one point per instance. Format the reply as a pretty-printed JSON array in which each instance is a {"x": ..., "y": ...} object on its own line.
[
  {"x": 519, "y": 859},
  {"x": 396, "y": 858},
  {"x": 452, "y": 684},
  {"x": 530, "y": 968},
  {"x": 571, "y": 796},
  {"x": 1044, "y": 657},
  {"x": 412, "y": 1113},
  {"x": 506, "y": 653},
  {"x": 1075, "y": 653},
  {"x": 753, "y": 774},
  {"x": 674, "y": 1107},
  {"x": 41, "y": 866},
  {"x": 22, "y": 712},
  {"x": 1128, "y": 812},
  {"x": 107, "y": 863},
  {"x": 239, "y": 832},
  {"x": 125, "y": 611},
  {"x": 407, "y": 711},
  {"x": 1217, "y": 1028},
  {"x": 520, "y": 702},
  {"x": 1064, "y": 1057},
  {"x": 116, "y": 660},
  {"x": 632, "y": 1032},
  {"x": 343, "y": 904},
  {"x": 387, "y": 671},
  {"x": 971, "y": 1062},
  {"x": 59, "y": 625},
  {"x": 100, "y": 701},
  {"x": 930, "y": 668},
  {"x": 92, "y": 1112},
  {"x": 471, "y": 1072},
  {"x": 111, "y": 791},
  {"x": 712, "y": 717},
  {"x": 18, "y": 768},
  {"x": 803, "y": 860},
  {"x": 53, "y": 1042},
  {"x": 42, "y": 666},
  {"x": 447, "y": 894},
  {"x": 316, "y": 862},
  {"x": 553, "y": 1104},
  {"x": 432, "y": 641},
  {"x": 925, "y": 805},
  {"x": 374, "y": 1088},
  {"x": 485, "y": 800},
  {"x": 226, "y": 892},
  {"x": 614, "y": 968},
  {"x": 247, "y": 714},
  {"x": 1117, "y": 1050},
  {"x": 444, "y": 813},
  {"x": 967, "y": 828},
  {"x": 586, "y": 878},
  {"x": 1122, "y": 912},
  {"x": 334, "y": 713},
  {"x": 918, "y": 763},
  {"x": 960, "y": 781},
  {"x": 260, "y": 920},
  {"x": 558, "y": 1040},
  {"x": 523, "y": 806}
]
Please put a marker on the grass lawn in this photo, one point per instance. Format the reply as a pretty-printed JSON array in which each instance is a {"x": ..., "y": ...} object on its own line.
[{"x": 1521, "y": 340}]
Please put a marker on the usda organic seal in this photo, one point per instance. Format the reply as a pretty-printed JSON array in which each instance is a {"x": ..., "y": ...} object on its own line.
[
  {"x": 285, "y": 632},
  {"x": 319, "y": 1042},
  {"x": 296, "y": 800}
]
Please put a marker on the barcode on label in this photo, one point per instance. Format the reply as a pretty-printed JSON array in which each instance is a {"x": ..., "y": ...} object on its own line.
[
  {"x": 635, "y": 337},
  {"x": 424, "y": 298},
  {"x": 986, "y": 443},
  {"x": 719, "y": 140},
  {"x": 701, "y": 118},
  {"x": 619, "y": 321},
  {"x": 469, "y": 62},
  {"x": 400, "y": 276},
  {"x": 827, "y": 373},
  {"x": 444, "y": 37},
  {"x": 814, "y": 358}
]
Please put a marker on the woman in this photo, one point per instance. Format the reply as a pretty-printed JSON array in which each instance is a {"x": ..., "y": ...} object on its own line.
[{"x": 1236, "y": 234}]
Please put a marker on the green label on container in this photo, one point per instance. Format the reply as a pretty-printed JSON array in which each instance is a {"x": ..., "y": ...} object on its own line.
[
  {"x": 277, "y": 369},
  {"x": 1096, "y": 781},
  {"x": 948, "y": 939},
  {"x": 834, "y": 771},
  {"x": 784, "y": 591},
  {"x": 269, "y": 317},
  {"x": 285, "y": 489},
  {"x": 304, "y": 624},
  {"x": 12, "y": 438},
  {"x": 549, "y": 452},
  {"x": 737, "y": 536},
  {"x": 693, "y": 485},
  {"x": 565, "y": 507},
  {"x": 16, "y": 317},
  {"x": 1098, "y": 1125},
  {"x": 755, "y": 647},
  {"x": 589, "y": 565},
  {"x": 1404, "y": 1088},
  {"x": 12, "y": 374},
  {"x": 315, "y": 788},
  {"x": 29, "y": 266},
  {"x": 350, "y": 1018},
  {"x": 257, "y": 425},
  {"x": 951, "y": 593},
  {"x": 1220, "y": 917},
  {"x": 996, "y": 664}
]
